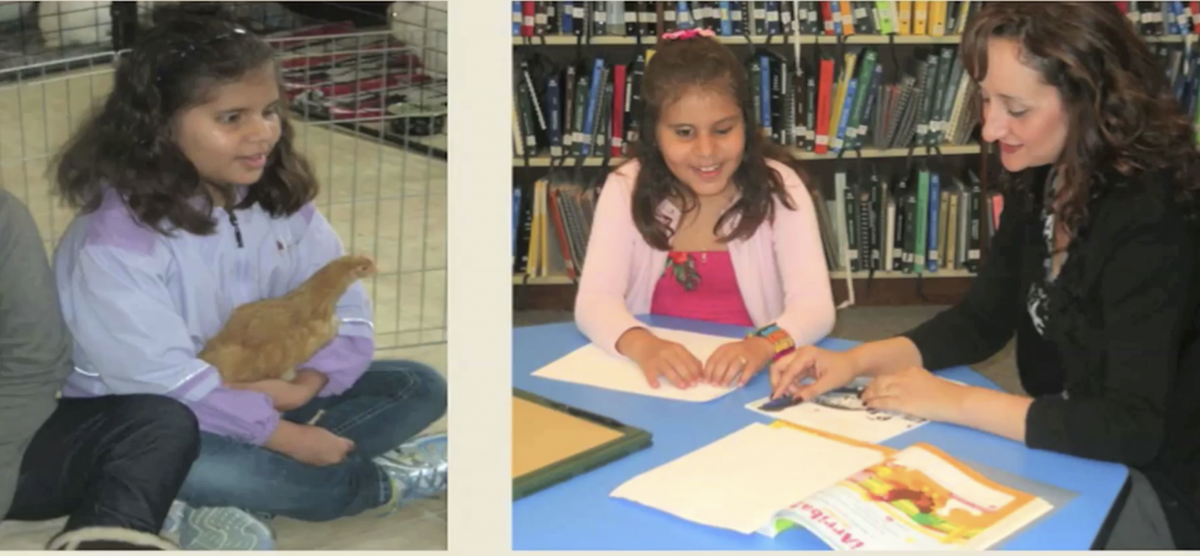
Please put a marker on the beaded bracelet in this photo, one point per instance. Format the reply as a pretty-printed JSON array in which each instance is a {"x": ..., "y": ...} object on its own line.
[{"x": 780, "y": 340}]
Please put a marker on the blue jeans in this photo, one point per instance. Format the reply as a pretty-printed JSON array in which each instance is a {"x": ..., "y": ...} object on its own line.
[{"x": 391, "y": 403}]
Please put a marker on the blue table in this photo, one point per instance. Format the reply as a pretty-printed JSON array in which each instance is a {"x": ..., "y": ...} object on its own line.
[{"x": 580, "y": 515}]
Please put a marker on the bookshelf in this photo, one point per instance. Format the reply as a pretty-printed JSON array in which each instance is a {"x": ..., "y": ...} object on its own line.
[
  {"x": 594, "y": 162},
  {"x": 778, "y": 40},
  {"x": 804, "y": 32},
  {"x": 775, "y": 40},
  {"x": 799, "y": 34}
]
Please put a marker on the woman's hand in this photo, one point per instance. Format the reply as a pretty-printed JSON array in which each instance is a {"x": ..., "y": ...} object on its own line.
[
  {"x": 742, "y": 360},
  {"x": 828, "y": 370},
  {"x": 916, "y": 392},
  {"x": 660, "y": 358}
]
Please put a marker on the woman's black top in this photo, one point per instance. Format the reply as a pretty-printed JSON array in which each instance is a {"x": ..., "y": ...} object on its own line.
[{"x": 1109, "y": 348}]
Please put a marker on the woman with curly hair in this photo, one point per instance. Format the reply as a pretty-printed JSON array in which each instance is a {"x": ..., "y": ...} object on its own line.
[
  {"x": 709, "y": 222},
  {"x": 194, "y": 201},
  {"x": 1094, "y": 268}
]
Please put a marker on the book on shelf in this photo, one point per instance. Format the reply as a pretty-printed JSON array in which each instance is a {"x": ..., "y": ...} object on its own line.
[
  {"x": 1163, "y": 18},
  {"x": 735, "y": 19},
  {"x": 551, "y": 226},
  {"x": 856, "y": 496},
  {"x": 1181, "y": 63},
  {"x": 908, "y": 222}
]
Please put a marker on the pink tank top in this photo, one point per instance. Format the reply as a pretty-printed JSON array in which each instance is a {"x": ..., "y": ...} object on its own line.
[{"x": 700, "y": 285}]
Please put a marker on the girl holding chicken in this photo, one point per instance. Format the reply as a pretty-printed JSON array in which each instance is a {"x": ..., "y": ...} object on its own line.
[{"x": 194, "y": 201}]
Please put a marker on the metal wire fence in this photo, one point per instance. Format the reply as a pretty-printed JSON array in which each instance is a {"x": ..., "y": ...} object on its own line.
[{"x": 370, "y": 110}]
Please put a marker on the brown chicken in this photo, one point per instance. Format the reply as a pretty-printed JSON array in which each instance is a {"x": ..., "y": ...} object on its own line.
[{"x": 271, "y": 337}]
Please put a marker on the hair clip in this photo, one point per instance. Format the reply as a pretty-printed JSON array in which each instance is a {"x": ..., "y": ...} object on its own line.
[
  {"x": 688, "y": 34},
  {"x": 192, "y": 46}
]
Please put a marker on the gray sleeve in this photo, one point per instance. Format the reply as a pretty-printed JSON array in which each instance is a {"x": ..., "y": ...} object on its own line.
[{"x": 35, "y": 346}]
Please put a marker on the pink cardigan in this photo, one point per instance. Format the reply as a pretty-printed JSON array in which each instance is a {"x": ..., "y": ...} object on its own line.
[{"x": 780, "y": 270}]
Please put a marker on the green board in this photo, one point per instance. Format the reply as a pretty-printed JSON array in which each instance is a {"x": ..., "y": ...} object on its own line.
[{"x": 553, "y": 442}]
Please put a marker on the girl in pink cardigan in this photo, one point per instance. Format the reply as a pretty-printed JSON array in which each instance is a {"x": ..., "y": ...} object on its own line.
[{"x": 709, "y": 223}]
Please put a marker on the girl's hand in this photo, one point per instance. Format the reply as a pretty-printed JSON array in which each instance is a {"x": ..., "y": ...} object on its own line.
[
  {"x": 828, "y": 370},
  {"x": 286, "y": 396},
  {"x": 742, "y": 359},
  {"x": 318, "y": 446},
  {"x": 916, "y": 392},
  {"x": 312, "y": 381},
  {"x": 660, "y": 358},
  {"x": 309, "y": 444}
]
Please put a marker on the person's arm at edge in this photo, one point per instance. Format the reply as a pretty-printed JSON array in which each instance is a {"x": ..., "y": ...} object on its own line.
[{"x": 35, "y": 346}]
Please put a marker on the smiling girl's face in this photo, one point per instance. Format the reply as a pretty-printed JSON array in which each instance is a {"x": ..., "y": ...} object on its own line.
[
  {"x": 230, "y": 137},
  {"x": 702, "y": 138},
  {"x": 1021, "y": 113}
]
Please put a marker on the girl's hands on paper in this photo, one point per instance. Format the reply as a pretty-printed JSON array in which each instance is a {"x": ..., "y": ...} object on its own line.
[
  {"x": 658, "y": 358},
  {"x": 828, "y": 370},
  {"x": 915, "y": 391},
  {"x": 741, "y": 360}
]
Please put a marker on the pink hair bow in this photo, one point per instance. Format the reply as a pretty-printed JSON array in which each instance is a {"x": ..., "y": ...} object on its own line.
[{"x": 688, "y": 34}]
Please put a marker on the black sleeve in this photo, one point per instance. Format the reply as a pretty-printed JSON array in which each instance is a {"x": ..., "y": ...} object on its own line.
[
  {"x": 1143, "y": 295},
  {"x": 982, "y": 323}
]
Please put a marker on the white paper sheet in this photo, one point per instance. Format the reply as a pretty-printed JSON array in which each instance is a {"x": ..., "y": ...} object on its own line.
[
  {"x": 590, "y": 365},
  {"x": 739, "y": 482}
]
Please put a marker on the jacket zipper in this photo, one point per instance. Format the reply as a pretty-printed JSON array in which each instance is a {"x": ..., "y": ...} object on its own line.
[{"x": 237, "y": 232}]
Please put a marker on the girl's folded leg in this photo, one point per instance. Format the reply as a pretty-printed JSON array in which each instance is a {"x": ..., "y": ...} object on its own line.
[
  {"x": 389, "y": 405},
  {"x": 234, "y": 489},
  {"x": 382, "y": 413}
]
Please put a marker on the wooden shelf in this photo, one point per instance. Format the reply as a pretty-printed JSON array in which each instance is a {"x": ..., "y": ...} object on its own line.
[
  {"x": 1167, "y": 38},
  {"x": 973, "y": 148},
  {"x": 521, "y": 280},
  {"x": 618, "y": 40}
]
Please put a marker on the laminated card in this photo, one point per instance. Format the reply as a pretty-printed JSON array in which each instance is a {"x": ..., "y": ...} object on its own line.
[{"x": 841, "y": 412}]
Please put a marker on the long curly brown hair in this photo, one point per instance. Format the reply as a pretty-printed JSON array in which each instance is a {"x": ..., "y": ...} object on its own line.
[
  {"x": 127, "y": 144},
  {"x": 677, "y": 66},
  {"x": 1124, "y": 120}
]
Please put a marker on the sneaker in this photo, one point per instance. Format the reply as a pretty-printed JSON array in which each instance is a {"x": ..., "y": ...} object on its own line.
[
  {"x": 417, "y": 469},
  {"x": 224, "y": 529},
  {"x": 429, "y": 447},
  {"x": 174, "y": 518}
]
